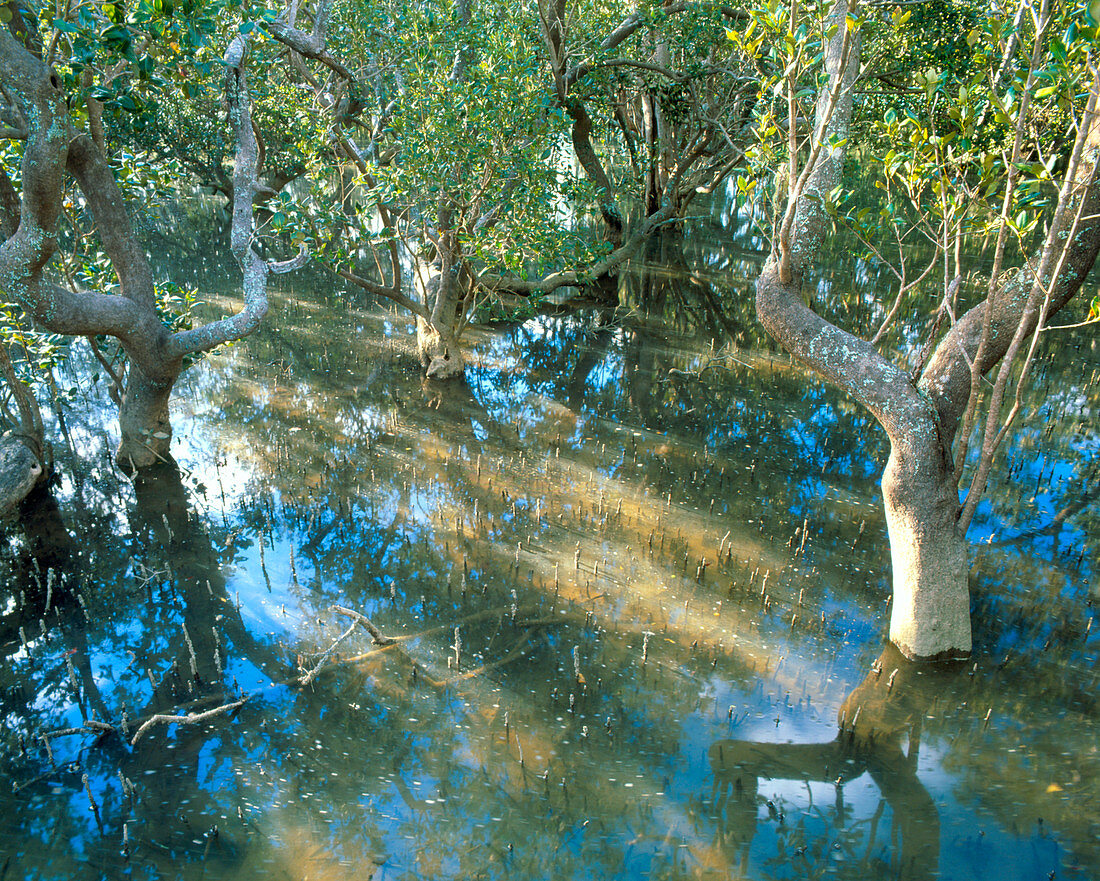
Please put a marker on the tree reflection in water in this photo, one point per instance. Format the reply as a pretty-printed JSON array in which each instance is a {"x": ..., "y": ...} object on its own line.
[
  {"x": 629, "y": 541},
  {"x": 879, "y": 735}
]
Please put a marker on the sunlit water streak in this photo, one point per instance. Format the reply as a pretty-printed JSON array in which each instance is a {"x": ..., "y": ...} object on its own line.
[{"x": 666, "y": 563}]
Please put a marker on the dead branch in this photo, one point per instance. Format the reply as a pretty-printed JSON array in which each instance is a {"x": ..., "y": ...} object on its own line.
[
  {"x": 189, "y": 719},
  {"x": 311, "y": 675},
  {"x": 91, "y": 726},
  {"x": 376, "y": 634}
]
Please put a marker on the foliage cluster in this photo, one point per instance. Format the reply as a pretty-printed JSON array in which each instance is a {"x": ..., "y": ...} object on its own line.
[{"x": 455, "y": 126}]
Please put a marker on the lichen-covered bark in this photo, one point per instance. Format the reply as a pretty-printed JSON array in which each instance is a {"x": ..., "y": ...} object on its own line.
[
  {"x": 55, "y": 149},
  {"x": 931, "y": 613},
  {"x": 24, "y": 456},
  {"x": 440, "y": 352}
]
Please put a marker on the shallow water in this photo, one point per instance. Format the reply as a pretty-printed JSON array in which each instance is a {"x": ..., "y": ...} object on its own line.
[{"x": 633, "y": 576}]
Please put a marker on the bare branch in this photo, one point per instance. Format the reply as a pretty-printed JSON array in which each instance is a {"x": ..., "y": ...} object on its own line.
[
  {"x": 242, "y": 231},
  {"x": 1062, "y": 238},
  {"x": 311, "y": 45},
  {"x": 115, "y": 391},
  {"x": 902, "y": 291},
  {"x": 312, "y": 674},
  {"x": 629, "y": 25},
  {"x": 573, "y": 278},
  {"x": 376, "y": 634},
  {"x": 189, "y": 719}
]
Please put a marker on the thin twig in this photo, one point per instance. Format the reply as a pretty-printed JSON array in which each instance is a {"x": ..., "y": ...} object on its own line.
[
  {"x": 1085, "y": 323},
  {"x": 311, "y": 675}
]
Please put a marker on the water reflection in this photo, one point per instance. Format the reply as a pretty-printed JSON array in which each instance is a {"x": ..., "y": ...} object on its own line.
[
  {"x": 627, "y": 602},
  {"x": 879, "y": 735}
]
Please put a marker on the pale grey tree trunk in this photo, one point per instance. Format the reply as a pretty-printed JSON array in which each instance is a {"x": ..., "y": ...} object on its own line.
[
  {"x": 55, "y": 150},
  {"x": 440, "y": 350},
  {"x": 931, "y": 602},
  {"x": 930, "y": 617},
  {"x": 930, "y": 614},
  {"x": 920, "y": 510},
  {"x": 437, "y": 336}
]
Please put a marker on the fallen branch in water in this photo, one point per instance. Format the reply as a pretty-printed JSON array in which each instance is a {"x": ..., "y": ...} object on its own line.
[
  {"x": 309, "y": 677},
  {"x": 392, "y": 642},
  {"x": 386, "y": 643},
  {"x": 189, "y": 719},
  {"x": 376, "y": 634},
  {"x": 51, "y": 774},
  {"x": 89, "y": 727},
  {"x": 496, "y": 612},
  {"x": 420, "y": 672}
]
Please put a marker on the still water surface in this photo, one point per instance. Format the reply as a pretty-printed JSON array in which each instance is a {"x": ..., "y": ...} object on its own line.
[{"x": 628, "y": 589}]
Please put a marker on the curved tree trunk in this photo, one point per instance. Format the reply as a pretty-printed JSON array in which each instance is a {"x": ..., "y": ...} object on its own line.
[
  {"x": 54, "y": 150},
  {"x": 931, "y": 612},
  {"x": 931, "y": 615}
]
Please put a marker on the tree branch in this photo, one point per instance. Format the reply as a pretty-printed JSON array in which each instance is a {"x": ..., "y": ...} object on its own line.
[
  {"x": 189, "y": 719},
  {"x": 311, "y": 45},
  {"x": 390, "y": 293},
  {"x": 242, "y": 230},
  {"x": 625, "y": 29},
  {"x": 947, "y": 378},
  {"x": 574, "y": 278}
]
